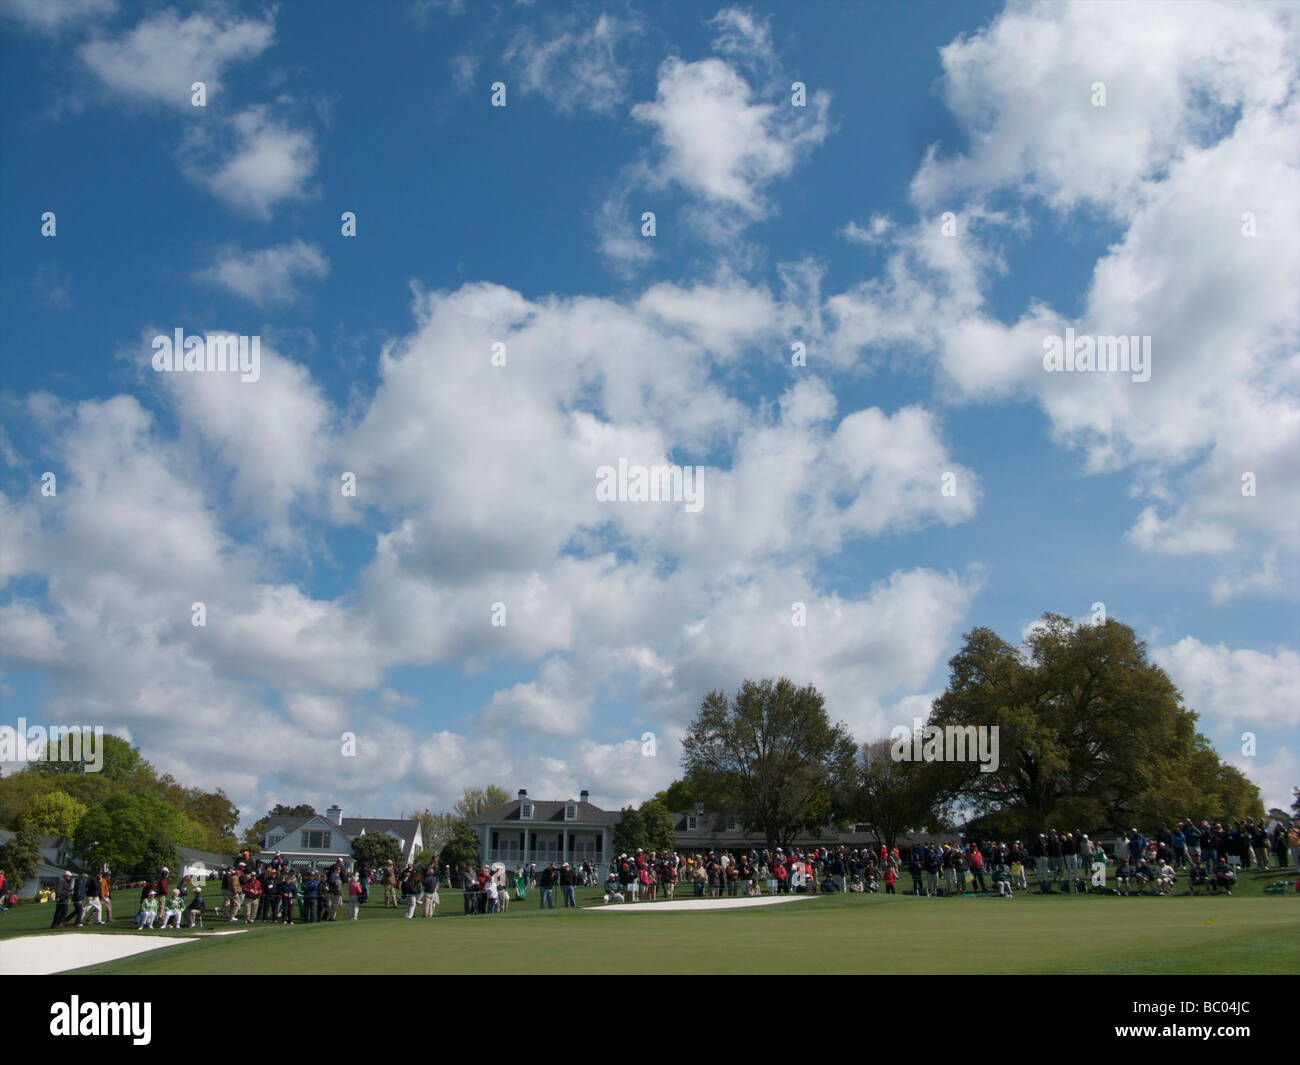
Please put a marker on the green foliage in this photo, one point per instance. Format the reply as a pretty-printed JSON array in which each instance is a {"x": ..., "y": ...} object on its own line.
[
  {"x": 18, "y": 858},
  {"x": 133, "y": 832},
  {"x": 630, "y": 832},
  {"x": 771, "y": 755},
  {"x": 461, "y": 849},
  {"x": 1090, "y": 733},
  {"x": 657, "y": 822},
  {"x": 892, "y": 796},
  {"x": 53, "y": 814},
  {"x": 679, "y": 796},
  {"x": 376, "y": 848}
]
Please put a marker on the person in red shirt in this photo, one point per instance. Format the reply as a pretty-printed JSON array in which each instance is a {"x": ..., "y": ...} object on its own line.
[
  {"x": 977, "y": 869},
  {"x": 252, "y": 897},
  {"x": 890, "y": 877}
]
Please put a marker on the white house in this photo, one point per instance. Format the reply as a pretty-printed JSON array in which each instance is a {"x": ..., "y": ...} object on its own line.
[
  {"x": 543, "y": 831},
  {"x": 200, "y": 866},
  {"x": 55, "y": 859},
  {"x": 318, "y": 842}
]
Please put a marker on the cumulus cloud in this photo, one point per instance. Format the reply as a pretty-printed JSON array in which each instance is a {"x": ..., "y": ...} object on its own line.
[
  {"x": 478, "y": 484},
  {"x": 1235, "y": 686},
  {"x": 251, "y": 163},
  {"x": 159, "y": 59},
  {"x": 1207, "y": 133},
  {"x": 725, "y": 130},
  {"x": 268, "y": 275}
]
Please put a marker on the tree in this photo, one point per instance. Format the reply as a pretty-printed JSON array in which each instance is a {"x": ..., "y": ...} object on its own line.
[
  {"x": 53, "y": 814},
  {"x": 660, "y": 832},
  {"x": 461, "y": 849},
  {"x": 629, "y": 833},
  {"x": 133, "y": 832},
  {"x": 1089, "y": 731},
  {"x": 376, "y": 848},
  {"x": 476, "y": 800},
  {"x": 679, "y": 796},
  {"x": 892, "y": 797},
  {"x": 18, "y": 858},
  {"x": 771, "y": 755},
  {"x": 435, "y": 829}
]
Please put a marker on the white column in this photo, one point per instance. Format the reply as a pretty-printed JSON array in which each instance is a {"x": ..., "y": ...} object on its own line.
[
  {"x": 525, "y": 862},
  {"x": 564, "y": 847}
]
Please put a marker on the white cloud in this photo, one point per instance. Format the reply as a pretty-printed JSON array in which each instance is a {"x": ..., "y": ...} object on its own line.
[
  {"x": 163, "y": 55},
  {"x": 268, "y": 275},
  {"x": 252, "y": 163},
  {"x": 574, "y": 61},
  {"x": 52, "y": 16},
  {"x": 1230, "y": 687},
  {"x": 725, "y": 130},
  {"x": 1275, "y": 776},
  {"x": 478, "y": 485},
  {"x": 718, "y": 142},
  {"x": 1207, "y": 131}
]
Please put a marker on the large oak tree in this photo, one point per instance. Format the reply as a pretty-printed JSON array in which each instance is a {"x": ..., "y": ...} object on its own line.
[{"x": 1091, "y": 734}]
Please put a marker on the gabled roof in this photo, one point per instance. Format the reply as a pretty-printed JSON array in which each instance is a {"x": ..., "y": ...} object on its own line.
[
  {"x": 354, "y": 826},
  {"x": 547, "y": 810},
  {"x": 189, "y": 854}
]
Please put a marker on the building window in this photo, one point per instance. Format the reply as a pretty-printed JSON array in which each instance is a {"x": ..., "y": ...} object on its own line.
[
  {"x": 691, "y": 822},
  {"x": 525, "y": 811},
  {"x": 315, "y": 840},
  {"x": 733, "y": 825},
  {"x": 571, "y": 811}
]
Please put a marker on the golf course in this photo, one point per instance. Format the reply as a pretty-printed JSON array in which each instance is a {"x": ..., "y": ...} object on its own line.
[{"x": 1249, "y": 932}]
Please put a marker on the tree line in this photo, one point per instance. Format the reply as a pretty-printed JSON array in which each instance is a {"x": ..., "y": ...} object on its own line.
[{"x": 1090, "y": 733}]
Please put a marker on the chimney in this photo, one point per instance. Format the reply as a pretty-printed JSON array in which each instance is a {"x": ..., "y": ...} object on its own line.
[
  {"x": 584, "y": 795},
  {"x": 523, "y": 793},
  {"x": 699, "y": 808},
  {"x": 335, "y": 814}
]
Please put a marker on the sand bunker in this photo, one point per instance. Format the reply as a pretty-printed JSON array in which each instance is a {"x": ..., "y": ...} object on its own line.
[
  {"x": 41, "y": 955},
  {"x": 695, "y": 905}
]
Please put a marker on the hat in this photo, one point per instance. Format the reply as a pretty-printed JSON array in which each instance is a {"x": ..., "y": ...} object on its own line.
[{"x": 67, "y": 873}]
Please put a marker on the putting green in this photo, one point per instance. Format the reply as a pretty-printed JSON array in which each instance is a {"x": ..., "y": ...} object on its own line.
[{"x": 1246, "y": 933}]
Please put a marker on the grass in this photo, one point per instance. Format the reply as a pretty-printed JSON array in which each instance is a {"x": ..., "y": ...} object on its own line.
[{"x": 1249, "y": 932}]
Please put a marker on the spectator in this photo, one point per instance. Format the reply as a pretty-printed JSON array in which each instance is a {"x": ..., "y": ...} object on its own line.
[{"x": 546, "y": 882}]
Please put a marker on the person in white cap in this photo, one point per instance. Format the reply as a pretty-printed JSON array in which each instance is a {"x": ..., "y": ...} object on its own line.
[
  {"x": 148, "y": 912},
  {"x": 62, "y": 893}
]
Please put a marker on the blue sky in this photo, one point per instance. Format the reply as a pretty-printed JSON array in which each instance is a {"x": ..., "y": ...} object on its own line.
[{"x": 945, "y": 199}]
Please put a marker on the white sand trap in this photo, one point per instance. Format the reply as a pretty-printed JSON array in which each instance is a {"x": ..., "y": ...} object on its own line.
[
  {"x": 695, "y": 905},
  {"x": 41, "y": 955}
]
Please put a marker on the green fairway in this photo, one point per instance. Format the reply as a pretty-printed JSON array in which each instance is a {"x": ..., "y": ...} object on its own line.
[{"x": 1247, "y": 933}]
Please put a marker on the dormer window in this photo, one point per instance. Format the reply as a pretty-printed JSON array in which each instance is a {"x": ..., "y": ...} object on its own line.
[
  {"x": 733, "y": 825},
  {"x": 691, "y": 822},
  {"x": 570, "y": 811},
  {"x": 525, "y": 811}
]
